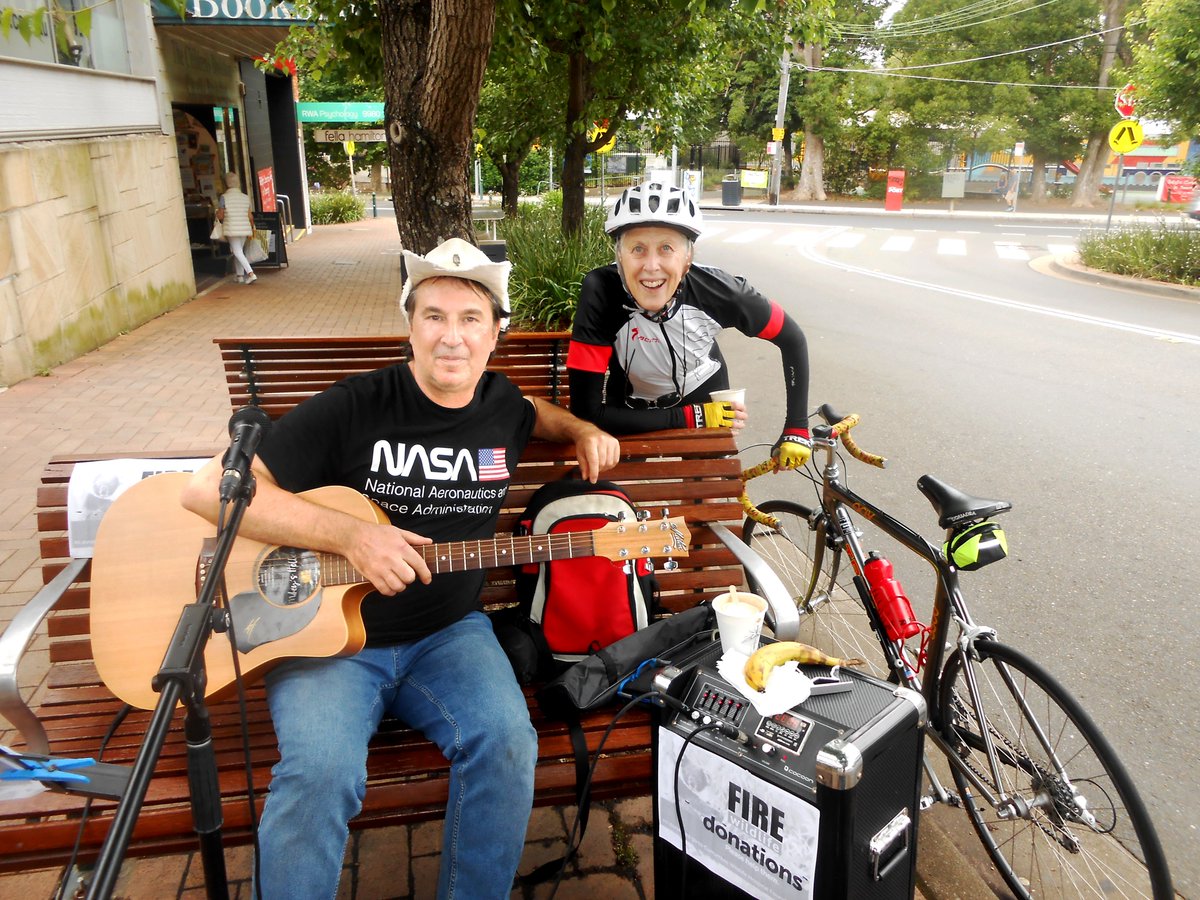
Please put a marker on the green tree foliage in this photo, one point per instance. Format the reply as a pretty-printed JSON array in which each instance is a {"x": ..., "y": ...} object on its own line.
[
  {"x": 1168, "y": 66},
  {"x": 1004, "y": 96}
]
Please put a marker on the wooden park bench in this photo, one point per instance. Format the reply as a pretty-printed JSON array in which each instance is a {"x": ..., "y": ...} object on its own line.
[
  {"x": 693, "y": 474},
  {"x": 276, "y": 373}
]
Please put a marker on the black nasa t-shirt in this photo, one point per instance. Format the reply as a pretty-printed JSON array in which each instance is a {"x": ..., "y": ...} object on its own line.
[{"x": 438, "y": 472}]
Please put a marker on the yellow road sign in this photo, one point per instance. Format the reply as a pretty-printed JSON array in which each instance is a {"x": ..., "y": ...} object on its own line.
[
  {"x": 1126, "y": 136},
  {"x": 777, "y": 134}
]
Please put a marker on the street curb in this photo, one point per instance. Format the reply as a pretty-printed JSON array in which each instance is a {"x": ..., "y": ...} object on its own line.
[
  {"x": 969, "y": 214},
  {"x": 1069, "y": 266},
  {"x": 944, "y": 872}
]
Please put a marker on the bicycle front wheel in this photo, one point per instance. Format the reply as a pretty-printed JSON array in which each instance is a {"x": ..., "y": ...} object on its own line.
[
  {"x": 832, "y": 617},
  {"x": 1064, "y": 819}
]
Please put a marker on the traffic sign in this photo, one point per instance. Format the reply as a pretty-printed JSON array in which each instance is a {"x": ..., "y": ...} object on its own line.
[
  {"x": 777, "y": 134},
  {"x": 1126, "y": 136},
  {"x": 1125, "y": 102}
]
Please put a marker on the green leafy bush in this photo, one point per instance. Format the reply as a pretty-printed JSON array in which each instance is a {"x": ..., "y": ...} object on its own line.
[
  {"x": 335, "y": 207},
  {"x": 548, "y": 268},
  {"x": 1164, "y": 252}
]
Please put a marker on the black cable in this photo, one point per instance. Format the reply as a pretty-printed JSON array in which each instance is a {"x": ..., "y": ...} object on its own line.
[
  {"x": 87, "y": 806},
  {"x": 587, "y": 786},
  {"x": 683, "y": 860}
]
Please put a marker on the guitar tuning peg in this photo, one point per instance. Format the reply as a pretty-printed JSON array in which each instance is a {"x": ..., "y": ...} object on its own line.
[
  {"x": 621, "y": 516},
  {"x": 642, "y": 515},
  {"x": 670, "y": 565}
]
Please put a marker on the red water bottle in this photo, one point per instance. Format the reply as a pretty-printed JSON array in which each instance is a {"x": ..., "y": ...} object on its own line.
[{"x": 894, "y": 608}]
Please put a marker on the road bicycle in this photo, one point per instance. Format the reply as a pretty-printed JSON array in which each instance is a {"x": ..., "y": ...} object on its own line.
[{"x": 1047, "y": 795}]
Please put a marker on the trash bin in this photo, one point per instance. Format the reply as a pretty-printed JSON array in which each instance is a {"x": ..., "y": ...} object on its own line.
[{"x": 731, "y": 190}]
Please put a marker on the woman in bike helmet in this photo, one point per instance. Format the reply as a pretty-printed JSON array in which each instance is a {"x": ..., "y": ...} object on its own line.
[{"x": 650, "y": 322}]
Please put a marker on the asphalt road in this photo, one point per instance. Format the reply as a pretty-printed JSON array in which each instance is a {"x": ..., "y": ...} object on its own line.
[{"x": 1075, "y": 401}]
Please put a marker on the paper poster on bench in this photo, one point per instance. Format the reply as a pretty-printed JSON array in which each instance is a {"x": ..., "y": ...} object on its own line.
[
  {"x": 749, "y": 832},
  {"x": 95, "y": 485}
]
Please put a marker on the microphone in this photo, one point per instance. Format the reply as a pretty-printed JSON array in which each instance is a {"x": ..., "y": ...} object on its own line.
[{"x": 246, "y": 429}]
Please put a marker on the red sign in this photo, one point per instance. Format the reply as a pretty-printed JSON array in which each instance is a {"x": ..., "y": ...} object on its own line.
[
  {"x": 266, "y": 189},
  {"x": 1176, "y": 189},
  {"x": 895, "y": 190},
  {"x": 1124, "y": 101}
]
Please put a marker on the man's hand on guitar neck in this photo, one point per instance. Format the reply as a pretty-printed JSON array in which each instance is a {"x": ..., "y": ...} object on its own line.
[
  {"x": 384, "y": 555},
  {"x": 387, "y": 556}
]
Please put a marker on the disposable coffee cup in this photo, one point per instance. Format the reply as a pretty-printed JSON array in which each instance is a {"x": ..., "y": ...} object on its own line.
[
  {"x": 739, "y": 620},
  {"x": 733, "y": 395}
]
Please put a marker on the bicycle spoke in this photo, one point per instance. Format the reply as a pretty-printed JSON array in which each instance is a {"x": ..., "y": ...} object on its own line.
[
  {"x": 1067, "y": 822},
  {"x": 831, "y": 618}
]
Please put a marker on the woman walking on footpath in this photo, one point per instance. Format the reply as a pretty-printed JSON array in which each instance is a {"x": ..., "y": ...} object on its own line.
[{"x": 237, "y": 216}]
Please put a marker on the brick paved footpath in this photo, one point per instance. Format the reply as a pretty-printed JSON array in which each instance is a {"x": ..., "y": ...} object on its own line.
[{"x": 161, "y": 387}]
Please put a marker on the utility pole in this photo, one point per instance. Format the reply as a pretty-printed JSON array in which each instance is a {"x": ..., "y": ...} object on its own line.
[{"x": 785, "y": 75}]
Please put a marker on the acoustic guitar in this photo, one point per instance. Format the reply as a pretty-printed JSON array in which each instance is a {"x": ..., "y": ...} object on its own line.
[{"x": 151, "y": 556}]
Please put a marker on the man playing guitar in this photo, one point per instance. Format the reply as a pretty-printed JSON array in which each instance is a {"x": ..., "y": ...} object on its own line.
[{"x": 431, "y": 442}]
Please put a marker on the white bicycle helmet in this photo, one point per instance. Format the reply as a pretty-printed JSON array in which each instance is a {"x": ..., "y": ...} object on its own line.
[{"x": 651, "y": 203}]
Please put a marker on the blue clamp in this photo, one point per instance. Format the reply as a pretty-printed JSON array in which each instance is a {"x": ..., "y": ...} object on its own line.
[{"x": 37, "y": 768}]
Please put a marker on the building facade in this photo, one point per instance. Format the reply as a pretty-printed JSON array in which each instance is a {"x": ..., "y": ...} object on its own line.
[{"x": 114, "y": 139}]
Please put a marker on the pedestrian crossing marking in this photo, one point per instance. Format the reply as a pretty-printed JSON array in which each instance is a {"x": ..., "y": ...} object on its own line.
[
  {"x": 794, "y": 238},
  {"x": 847, "y": 240},
  {"x": 897, "y": 243},
  {"x": 1008, "y": 250},
  {"x": 952, "y": 247},
  {"x": 1061, "y": 249}
]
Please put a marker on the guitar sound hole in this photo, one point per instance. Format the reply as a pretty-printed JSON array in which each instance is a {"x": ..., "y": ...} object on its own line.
[{"x": 288, "y": 576}]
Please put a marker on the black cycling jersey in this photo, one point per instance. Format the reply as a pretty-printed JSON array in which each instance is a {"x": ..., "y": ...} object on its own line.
[{"x": 658, "y": 365}]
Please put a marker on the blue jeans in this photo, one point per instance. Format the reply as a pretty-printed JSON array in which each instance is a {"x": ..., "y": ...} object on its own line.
[{"x": 456, "y": 687}]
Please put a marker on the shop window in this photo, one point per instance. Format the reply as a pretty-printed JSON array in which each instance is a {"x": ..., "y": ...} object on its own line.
[{"x": 77, "y": 33}]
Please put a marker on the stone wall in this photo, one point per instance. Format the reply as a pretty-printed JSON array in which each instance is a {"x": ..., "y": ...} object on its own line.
[{"x": 93, "y": 243}]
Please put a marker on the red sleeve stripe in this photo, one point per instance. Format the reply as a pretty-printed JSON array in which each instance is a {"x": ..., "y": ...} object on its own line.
[
  {"x": 798, "y": 432},
  {"x": 774, "y": 324},
  {"x": 588, "y": 357}
]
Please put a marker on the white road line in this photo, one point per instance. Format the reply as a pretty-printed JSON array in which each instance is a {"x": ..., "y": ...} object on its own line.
[
  {"x": 846, "y": 240},
  {"x": 1177, "y": 337},
  {"x": 1009, "y": 250},
  {"x": 899, "y": 243},
  {"x": 951, "y": 247},
  {"x": 1060, "y": 249},
  {"x": 960, "y": 231},
  {"x": 749, "y": 236},
  {"x": 711, "y": 231}
]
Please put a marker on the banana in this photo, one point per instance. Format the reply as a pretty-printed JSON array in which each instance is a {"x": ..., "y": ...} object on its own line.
[{"x": 767, "y": 657}]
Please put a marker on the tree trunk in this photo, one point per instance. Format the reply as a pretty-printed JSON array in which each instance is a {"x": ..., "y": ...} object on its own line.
[
  {"x": 579, "y": 90},
  {"x": 510, "y": 185},
  {"x": 1037, "y": 179},
  {"x": 1091, "y": 173},
  {"x": 434, "y": 55},
  {"x": 812, "y": 170}
]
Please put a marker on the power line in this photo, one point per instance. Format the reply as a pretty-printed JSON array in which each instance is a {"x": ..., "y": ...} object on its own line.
[
  {"x": 894, "y": 74},
  {"x": 964, "y": 17},
  {"x": 959, "y": 62}
]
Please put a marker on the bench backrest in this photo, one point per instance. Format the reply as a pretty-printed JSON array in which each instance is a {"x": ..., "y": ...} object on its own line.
[{"x": 276, "y": 373}]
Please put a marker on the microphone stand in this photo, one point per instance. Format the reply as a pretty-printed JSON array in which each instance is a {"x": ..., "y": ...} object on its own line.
[{"x": 182, "y": 676}]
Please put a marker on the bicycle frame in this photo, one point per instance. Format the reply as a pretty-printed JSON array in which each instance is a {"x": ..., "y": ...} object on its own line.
[{"x": 837, "y": 501}]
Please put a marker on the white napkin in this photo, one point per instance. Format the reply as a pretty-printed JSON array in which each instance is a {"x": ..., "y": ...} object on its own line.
[{"x": 786, "y": 687}]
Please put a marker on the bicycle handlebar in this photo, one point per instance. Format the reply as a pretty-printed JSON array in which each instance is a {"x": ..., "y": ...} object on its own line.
[{"x": 837, "y": 427}]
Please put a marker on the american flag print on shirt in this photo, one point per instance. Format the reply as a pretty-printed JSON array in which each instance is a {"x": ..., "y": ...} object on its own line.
[{"x": 492, "y": 464}]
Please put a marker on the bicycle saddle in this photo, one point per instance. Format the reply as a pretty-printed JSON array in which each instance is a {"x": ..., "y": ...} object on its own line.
[{"x": 955, "y": 508}]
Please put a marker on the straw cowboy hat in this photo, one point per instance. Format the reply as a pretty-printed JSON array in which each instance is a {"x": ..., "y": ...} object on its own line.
[{"x": 457, "y": 258}]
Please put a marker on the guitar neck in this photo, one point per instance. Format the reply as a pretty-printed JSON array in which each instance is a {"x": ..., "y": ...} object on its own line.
[{"x": 487, "y": 553}]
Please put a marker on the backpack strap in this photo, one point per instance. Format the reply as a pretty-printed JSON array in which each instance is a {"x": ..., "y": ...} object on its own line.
[{"x": 583, "y": 800}]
